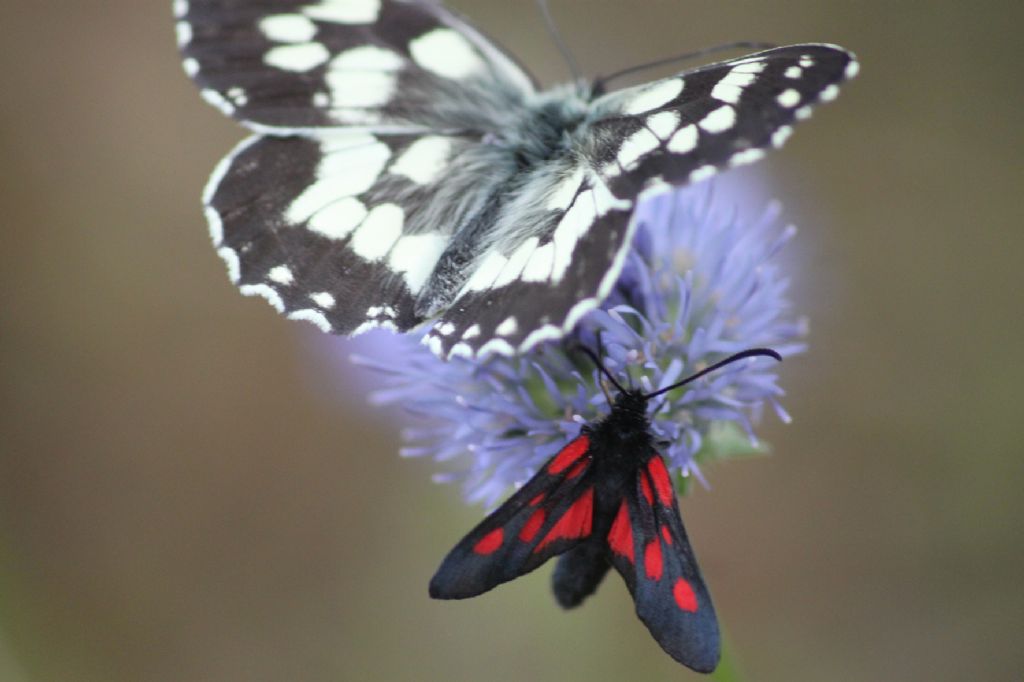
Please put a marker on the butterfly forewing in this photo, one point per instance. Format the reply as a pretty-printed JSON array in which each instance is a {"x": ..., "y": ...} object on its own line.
[
  {"x": 552, "y": 512},
  {"x": 293, "y": 64},
  {"x": 649, "y": 548},
  {"x": 690, "y": 126}
]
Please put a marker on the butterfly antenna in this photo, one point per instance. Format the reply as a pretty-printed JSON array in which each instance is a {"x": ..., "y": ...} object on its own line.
[
  {"x": 597, "y": 362},
  {"x": 741, "y": 45},
  {"x": 556, "y": 36},
  {"x": 750, "y": 353}
]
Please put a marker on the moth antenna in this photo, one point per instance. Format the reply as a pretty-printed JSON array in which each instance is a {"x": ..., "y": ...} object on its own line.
[
  {"x": 597, "y": 362},
  {"x": 556, "y": 36},
  {"x": 601, "y": 82},
  {"x": 750, "y": 353}
]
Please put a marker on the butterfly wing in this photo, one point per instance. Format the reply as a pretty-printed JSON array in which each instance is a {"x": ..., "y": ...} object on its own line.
[
  {"x": 649, "y": 548},
  {"x": 340, "y": 229},
  {"x": 307, "y": 64},
  {"x": 537, "y": 286},
  {"x": 551, "y": 513},
  {"x": 689, "y": 127}
]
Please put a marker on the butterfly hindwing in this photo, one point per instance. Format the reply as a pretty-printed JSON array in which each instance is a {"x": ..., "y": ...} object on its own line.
[
  {"x": 552, "y": 512},
  {"x": 341, "y": 230},
  {"x": 300, "y": 64},
  {"x": 521, "y": 292},
  {"x": 690, "y": 126},
  {"x": 649, "y": 548}
]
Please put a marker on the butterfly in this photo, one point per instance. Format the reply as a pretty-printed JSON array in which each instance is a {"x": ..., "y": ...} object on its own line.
[
  {"x": 406, "y": 171},
  {"x": 605, "y": 499}
]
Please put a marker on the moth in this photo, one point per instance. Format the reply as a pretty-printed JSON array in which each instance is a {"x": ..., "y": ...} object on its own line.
[
  {"x": 605, "y": 499},
  {"x": 406, "y": 172}
]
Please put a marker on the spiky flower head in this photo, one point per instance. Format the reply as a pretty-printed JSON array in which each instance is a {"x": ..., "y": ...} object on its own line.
[{"x": 699, "y": 284}]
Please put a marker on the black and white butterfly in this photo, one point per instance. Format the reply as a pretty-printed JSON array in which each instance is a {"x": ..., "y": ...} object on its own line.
[{"x": 407, "y": 170}]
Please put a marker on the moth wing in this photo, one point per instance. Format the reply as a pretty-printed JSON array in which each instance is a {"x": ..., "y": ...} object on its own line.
[
  {"x": 551, "y": 513},
  {"x": 295, "y": 65},
  {"x": 647, "y": 545},
  {"x": 690, "y": 126},
  {"x": 341, "y": 230}
]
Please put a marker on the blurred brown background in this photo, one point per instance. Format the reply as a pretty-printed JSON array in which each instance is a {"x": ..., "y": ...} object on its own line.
[{"x": 179, "y": 501}]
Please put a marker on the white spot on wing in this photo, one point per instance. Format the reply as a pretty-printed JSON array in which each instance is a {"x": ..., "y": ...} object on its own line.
[
  {"x": 654, "y": 96},
  {"x": 486, "y": 272},
  {"x": 314, "y": 316},
  {"x": 746, "y": 156},
  {"x": 183, "y": 29},
  {"x": 663, "y": 124},
  {"x": 732, "y": 85},
  {"x": 788, "y": 98},
  {"x": 517, "y": 262},
  {"x": 216, "y": 99},
  {"x": 180, "y": 8},
  {"x": 794, "y": 72},
  {"x": 719, "y": 120},
  {"x": 230, "y": 259},
  {"x": 191, "y": 66},
  {"x": 288, "y": 28},
  {"x": 338, "y": 219},
  {"x": 461, "y": 350},
  {"x": 702, "y": 173},
  {"x": 324, "y": 299},
  {"x": 415, "y": 256},
  {"x": 852, "y": 69},
  {"x": 273, "y": 298},
  {"x": 829, "y": 93},
  {"x": 471, "y": 333},
  {"x": 538, "y": 268},
  {"x": 496, "y": 346},
  {"x": 508, "y": 327},
  {"x": 379, "y": 232},
  {"x": 636, "y": 146},
  {"x": 446, "y": 53},
  {"x": 299, "y": 58},
  {"x": 685, "y": 140},
  {"x": 803, "y": 112},
  {"x": 424, "y": 160},
  {"x": 360, "y": 88},
  {"x": 780, "y": 136},
  {"x": 281, "y": 274},
  {"x": 367, "y": 58},
  {"x": 344, "y": 11}
]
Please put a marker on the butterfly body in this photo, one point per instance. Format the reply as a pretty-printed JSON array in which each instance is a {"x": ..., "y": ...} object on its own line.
[
  {"x": 605, "y": 500},
  {"x": 407, "y": 171}
]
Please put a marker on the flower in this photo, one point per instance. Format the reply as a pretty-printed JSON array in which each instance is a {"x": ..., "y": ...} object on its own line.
[{"x": 699, "y": 283}]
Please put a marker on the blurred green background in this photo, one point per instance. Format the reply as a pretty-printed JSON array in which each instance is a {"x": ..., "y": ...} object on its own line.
[{"x": 179, "y": 501}]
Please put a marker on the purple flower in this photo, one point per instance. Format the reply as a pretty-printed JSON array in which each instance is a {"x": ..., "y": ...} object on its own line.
[{"x": 700, "y": 283}]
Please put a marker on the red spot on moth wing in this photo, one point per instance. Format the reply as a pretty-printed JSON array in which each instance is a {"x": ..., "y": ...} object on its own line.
[
  {"x": 666, "y": 535},
  {"x": 645, "y": 488},
  {"x": 537, "y": 500},
  {"x": 575, "y": 523},
  {"x": 652, "y": 559},
  {"x": 684, "y": 596},
  {"x": 490, "y": 543},
  {"x": 532, "y": 526},
  {"x": 569, "y": 454},
  {"x": 576, "y": 470},
  {"x": 620, "y": 537},
  {"x": 662, "y": 481}
]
